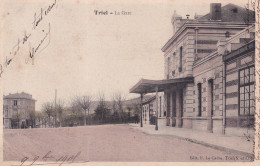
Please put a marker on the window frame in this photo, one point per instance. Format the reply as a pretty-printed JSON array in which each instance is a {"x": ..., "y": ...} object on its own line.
[
  {"x": 168, "y": 68},
  {"x": 180, "y": 62},
  {"x": 15, "y": 102},
  {"x": 244, "y": 84},
  {"x": 199, "y": 87},
  {"x": 211, "y": 84}
]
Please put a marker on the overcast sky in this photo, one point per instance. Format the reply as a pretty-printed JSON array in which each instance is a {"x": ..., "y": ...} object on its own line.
[{"x": 85, "y": 53}]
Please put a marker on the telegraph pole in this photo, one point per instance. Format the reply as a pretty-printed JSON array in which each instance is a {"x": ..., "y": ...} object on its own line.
[{"x": 55, "y": 98}]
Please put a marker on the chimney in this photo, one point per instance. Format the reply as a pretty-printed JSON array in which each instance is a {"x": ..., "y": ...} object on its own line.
[
  {"x": 176, "y": 21},
  {"x": 215, "y": 11}
]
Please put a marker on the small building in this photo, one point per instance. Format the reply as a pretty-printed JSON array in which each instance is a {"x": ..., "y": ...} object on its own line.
[
  {"x": 18, "y": 110},
  {"x": 149, "y": 109}
]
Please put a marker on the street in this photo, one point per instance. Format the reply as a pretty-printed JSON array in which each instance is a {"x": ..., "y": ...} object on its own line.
[{"x": 105, "y": 143}]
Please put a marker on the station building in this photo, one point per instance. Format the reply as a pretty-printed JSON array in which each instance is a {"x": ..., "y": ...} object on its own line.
[{"x": 207, "y": 62}]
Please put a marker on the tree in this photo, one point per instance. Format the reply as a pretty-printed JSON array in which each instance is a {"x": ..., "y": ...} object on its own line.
[
  {"x": 39, "y": 116},
  {"x": 32, "y": 118},
  {"x": 129, "y": 108},
  {"x": 59, "y": 108},
  {"x": 102, "y": 111},
  {"x": 84, "y": 102},
  {"x": 118, "y": 101},
  {"x": 137, "y": 109},
  {"x": 16, "y": 120},
  {"x": 73, "y": 115},
  {"x": 47, "y": 108},
  {"x": 74, "y": 105}
]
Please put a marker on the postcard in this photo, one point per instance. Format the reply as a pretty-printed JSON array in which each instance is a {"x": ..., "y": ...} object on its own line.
[{"x": 129, "y": 82}]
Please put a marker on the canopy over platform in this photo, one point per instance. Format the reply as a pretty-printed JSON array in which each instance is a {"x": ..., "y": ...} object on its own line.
[{"x": 149, "y": 86}]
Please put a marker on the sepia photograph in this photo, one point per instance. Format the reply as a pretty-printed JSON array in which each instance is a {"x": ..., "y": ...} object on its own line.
[{"x": 129, "y": 81}]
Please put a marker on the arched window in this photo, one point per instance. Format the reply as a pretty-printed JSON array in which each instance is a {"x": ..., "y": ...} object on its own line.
[
  {"x": 180, "y": 63},
  {"x": 211, "y": 91}
]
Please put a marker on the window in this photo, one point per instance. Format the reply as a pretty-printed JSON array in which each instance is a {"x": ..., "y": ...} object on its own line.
[
  {"x": 15, "y": 102},
  {"x": 180, "y": 65},
  {"x": 6, "y": 112},
  {"x": 199, "y": 99},
  {"x": 168, "y": 105},
  {"x": 211, "y": 86},
  {"x": 168, "y": 67},
  {"x": 246, "y": 91},
  {"x": 227, "y": 34},
  {"x": 160, "y": 100},
  {"x": 173, "y": 63},
  {"x": 234, "y": 10}
]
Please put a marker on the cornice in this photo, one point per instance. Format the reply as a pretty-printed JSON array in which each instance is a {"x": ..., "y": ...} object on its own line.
[{"x": 221, "y": 25}]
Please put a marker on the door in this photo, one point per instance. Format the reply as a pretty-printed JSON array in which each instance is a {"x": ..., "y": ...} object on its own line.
[
  {"x": 173, "y": 109},
  {"x": 181, "y": 107}
]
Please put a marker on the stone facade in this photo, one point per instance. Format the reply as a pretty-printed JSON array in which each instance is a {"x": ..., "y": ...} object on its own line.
[
  {"x": 196, "y": 50},
  {"x": 16, "y": 110},
  {"x": 208, "y": 74},
  {"x": 240, "y": 88}
]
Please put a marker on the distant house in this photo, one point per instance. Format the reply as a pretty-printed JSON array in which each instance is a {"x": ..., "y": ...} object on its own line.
[
  {"x": 148, "y": 110},
  {"x": 17, "y": 108}
]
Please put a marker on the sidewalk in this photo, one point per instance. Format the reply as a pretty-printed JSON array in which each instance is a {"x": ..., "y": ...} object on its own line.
[{"x": 217, "y": 141}]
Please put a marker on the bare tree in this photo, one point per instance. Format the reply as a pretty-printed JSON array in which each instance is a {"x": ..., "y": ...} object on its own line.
[
  {"x": 39, "y": 116},
  {"x": 74, "y": 104},
  {"x": 32, "y": 117},
  {"x": 118, "y": 101},
  {"x": 84, "y": 102},
  {"x": 101, "y": 112},
  {"x": 59, "y": 110},
  {"x": 47, "y": 108},
  {"x": 129, "y": 108}
]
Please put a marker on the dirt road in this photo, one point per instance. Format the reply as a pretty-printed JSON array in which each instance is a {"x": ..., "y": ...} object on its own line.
[{"x": 103, "y": 143}]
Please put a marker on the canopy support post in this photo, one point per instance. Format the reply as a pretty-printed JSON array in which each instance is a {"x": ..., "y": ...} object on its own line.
[
  {"x": 156, "y": 123},
  {"x": 141, "y": 110}
]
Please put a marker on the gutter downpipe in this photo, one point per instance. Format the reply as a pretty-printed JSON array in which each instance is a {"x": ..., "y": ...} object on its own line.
[{"x": 196, "y": 43}]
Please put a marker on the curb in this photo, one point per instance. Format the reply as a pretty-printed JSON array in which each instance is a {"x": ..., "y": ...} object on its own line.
[{"x": 217, "y": 147}]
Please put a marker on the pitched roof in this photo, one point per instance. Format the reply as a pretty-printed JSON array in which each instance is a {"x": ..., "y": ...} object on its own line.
[
  {"x": 230, "y": 15},
  {"x": 148, "y": 100},
  {"x": 22, "y": 95},
  {"x": 233, "y": 13}
]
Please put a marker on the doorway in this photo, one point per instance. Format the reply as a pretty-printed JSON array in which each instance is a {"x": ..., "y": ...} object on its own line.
[{"x": 173, "y": 109}]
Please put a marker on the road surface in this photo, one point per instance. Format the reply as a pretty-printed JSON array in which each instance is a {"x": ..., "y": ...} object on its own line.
[{"x": 104, "y": 143}]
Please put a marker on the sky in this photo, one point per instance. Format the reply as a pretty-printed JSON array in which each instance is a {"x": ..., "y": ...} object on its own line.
[{"x": 87, "y": 54}]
